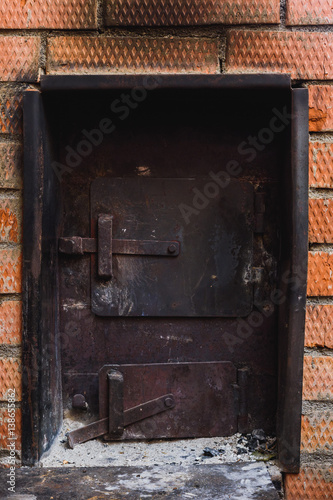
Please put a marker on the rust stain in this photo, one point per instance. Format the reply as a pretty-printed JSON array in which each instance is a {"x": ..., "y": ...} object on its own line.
[
  {"x": 317, "y": 119},
  {"x": 8, "y": 226}
]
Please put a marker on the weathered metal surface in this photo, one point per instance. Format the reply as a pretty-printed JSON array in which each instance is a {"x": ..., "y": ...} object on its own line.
[
  {"x": 225, "y": 481},
  {"x": 148, "y": 409},
  {"x": 105, "y": 247},
  {"x": 76, "y": 245},
  {"x": 183, "y": 81},
  {"x": 41, "y": 378},
  {"x": 116, "y": 402},
  {"x": 212, "y": 274},
  {"x": 293, "y": 283},
  {"x": 88, "y": 432},
  {"x": 199, "y": 391},
  {"x": 193, "y": 12}
]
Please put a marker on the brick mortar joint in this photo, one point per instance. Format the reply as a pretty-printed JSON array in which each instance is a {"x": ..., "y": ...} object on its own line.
[
  {"x": 12, "y": 352},
  {"x": 316, "y": 248},
  {"x": 320, "y": 193},
  {"x": 318, "y": 352}
]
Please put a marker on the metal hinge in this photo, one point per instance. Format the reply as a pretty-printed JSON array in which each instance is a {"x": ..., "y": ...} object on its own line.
[
  {"x": 105, "y": 246},
  {"x": 119, "y": 418}
]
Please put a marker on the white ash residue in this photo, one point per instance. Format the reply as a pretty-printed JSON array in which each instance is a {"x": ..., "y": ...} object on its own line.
[{"x": 102, "y": 453}]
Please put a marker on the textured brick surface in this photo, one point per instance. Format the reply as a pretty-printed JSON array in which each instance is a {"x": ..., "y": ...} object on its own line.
[
  {"x": 10, "y": 165},
  {"x": 10, "y": 220},
  {"x": 11, "y": 322},
  {"x": 309, "y": 12},
  {"x": 62, "y": 14},
  {"x": 321, "y": 107},
  {"x": 310, "y": 484},
  {"x": 10, "y": 377},
  {"x": 303, "y": 55},
  {"x": 5, "y": 432},
  {"x": 319, "y": 326},
  {"x": 320, "y": 274},
  {"x": 191, "y": 12},
  {"x": 318, "y": 378},
  {"x": 19, "y": 58},
  {"x": 321, "y": 164},
  {"x": 321, "y": 221},
  {"x": 11, "y": 111},
  {"x": 317, "y": 432},
  {"x": 131, "y": 55},
  {"x": 10, "y": 270}
]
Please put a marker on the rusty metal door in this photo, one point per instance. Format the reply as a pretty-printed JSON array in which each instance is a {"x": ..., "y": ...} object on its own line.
[{"x": 164, "y": 264}]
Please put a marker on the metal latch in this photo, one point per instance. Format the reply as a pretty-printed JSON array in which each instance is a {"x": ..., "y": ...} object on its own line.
[
  {"x": 118, "y": 417},
  {"x": 105, "y": 246}
]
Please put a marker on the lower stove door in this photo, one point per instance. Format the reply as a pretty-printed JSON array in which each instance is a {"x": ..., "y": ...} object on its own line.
[{"x": 204, "y": 399}]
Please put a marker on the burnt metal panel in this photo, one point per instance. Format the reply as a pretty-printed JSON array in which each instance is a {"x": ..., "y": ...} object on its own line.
[
  {"x": 293, "y": 283},
  {"x": 200, "y": 390},
  {"x": 211, "y": 276},
  {"x": 151, "y": 82},
  {"x": 41, "y": 379}
]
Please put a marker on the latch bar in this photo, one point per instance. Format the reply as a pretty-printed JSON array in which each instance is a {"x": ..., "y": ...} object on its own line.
[
  {"x": 75, "y": 245},
  {"x": 135, "y": 414},
  {"x": 105, "y": 246}
]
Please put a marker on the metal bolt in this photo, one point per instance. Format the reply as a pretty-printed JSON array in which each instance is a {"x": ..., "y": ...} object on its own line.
[
  {"x": 172, "y": 248},
  {"x": 169, "y": 402},
  {"x": 79, "y": 402}
]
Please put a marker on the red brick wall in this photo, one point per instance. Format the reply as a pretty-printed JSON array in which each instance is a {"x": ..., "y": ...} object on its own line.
[{"x": 188, "y": 36}]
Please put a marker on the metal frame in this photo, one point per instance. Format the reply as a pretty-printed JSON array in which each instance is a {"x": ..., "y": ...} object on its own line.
[{"x": 41, "y": 408}]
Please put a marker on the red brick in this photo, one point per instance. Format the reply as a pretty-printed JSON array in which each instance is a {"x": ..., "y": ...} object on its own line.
[
  {"x": 320, "y": 274},
  {"x": 319, "y": 326},
  {"x": 321, "y": 221},
  {"x": 5, "y": 432},
  {"x": 321, "y": 107},
  {"x": 302, "y": 55},
  {"x": 131, "y": 55},
  {"x": 58, "y": 14},
  {"x": 191, "y": 12},
  {"x": 318, "y": 378},
  {"x": 317, "y": 432},
  {"x": 310, "y": 484},
  {"x": 11, "y": 111},
  {"x": 10, "y": 220},
  {"x": 10, "y": 270},
  {"x": 309, "y": 12},
  {"x": 321, "y": 164},
  {"x": 19, "y": 58},
  {"x": 11, "y": 322},
  {"x": 10, "y": 378}
]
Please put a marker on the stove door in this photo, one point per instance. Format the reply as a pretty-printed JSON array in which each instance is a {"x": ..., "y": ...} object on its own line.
[{"x": 176, "y": 247}]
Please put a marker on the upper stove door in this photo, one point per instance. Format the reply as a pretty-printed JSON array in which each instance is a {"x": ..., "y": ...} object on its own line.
[{"x": 175, "y": 247}]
